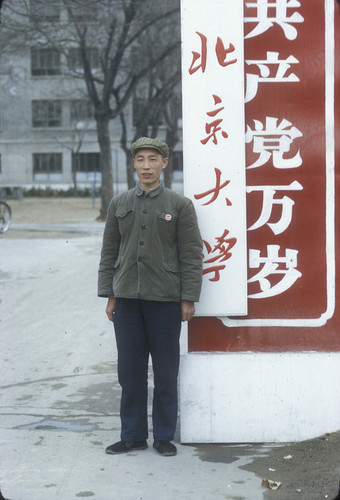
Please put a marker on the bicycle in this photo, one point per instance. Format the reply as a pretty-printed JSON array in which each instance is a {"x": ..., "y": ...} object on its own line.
[{"x": 5, "y": 216}]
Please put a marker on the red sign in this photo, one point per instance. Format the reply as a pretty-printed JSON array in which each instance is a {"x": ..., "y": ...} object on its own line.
[{"x": 290, "y": 113}]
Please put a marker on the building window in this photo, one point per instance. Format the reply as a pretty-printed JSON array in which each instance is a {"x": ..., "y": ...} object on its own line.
[
  {"x": 84, "y": 10},
  {"x": 47, "y": 167},
  {"x": 75, "y": 60},
  {"x": 81, "y": 110},
  {"x": 46, "y": 113},
  {"x": 45, "y": 10},
  {"x": 45, "y": 62},
  {"x": 85, "y": 165},
  {"x": 139, "y": 108}
]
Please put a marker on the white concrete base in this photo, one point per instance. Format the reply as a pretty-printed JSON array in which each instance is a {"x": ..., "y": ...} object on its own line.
[{"x": 258, "y": 397}]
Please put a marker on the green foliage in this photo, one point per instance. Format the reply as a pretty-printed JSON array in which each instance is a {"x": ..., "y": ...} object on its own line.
[{"x": 49, "y": 192}]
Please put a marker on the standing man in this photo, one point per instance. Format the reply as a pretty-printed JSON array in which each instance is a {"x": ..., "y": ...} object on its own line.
[{"x": 151, "y": 272}]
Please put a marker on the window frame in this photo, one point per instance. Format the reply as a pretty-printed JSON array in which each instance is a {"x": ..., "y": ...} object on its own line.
[
  {"x": 45, "y": 62},
  {"x": 45, "y": 10},
  {"x": 81, "y": 110},
  {"x": 50, "y": 167},
  {"x": 139, "y": 104},
  {"x": 46, "y": 116},
  {"x": 89, "y": 167},
  {"x": 84, "y": 11},
  {"x": 74, "y": 59}
]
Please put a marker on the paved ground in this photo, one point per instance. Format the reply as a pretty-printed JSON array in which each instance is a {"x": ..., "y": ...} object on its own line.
[{"x": 60, "y": 397}]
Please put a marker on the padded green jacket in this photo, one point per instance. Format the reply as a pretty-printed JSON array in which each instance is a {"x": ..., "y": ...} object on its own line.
[{"x": 152, "y": 248}]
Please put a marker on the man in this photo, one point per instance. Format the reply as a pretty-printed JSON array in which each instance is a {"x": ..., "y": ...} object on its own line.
[{"x": 151, "y": 272}]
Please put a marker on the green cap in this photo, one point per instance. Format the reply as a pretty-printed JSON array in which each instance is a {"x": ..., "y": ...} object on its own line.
[{"x": 148, "y": 143}]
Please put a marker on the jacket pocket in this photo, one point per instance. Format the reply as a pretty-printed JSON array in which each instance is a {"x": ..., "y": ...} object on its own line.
[
  {"x": 122, "y": 212},
  {"x": 166, "y": 225},
  {"x": 171, "y": 267},
  {"x": 124, "y": 218},
  {"x": 168, "y": 217}
]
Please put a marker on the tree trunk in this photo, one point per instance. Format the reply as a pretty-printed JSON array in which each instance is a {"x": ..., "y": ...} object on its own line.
[
  {"x": 105, "y": 163},
  {"x": 130, "y": 171},
  {"x": 75, "y": 168},
  {"x": 168, "y": 173},
  {"x": 128, "y": 159},
  {"x": 171, "y": 140}
]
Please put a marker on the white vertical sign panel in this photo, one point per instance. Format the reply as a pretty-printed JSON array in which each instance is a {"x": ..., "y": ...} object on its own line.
[{"x": 214, "y": 147}]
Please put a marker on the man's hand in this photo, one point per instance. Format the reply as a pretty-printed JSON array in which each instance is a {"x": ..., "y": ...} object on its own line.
[
  {"x": 188, "y": 309},
  {"x": 110, "y": 307}
]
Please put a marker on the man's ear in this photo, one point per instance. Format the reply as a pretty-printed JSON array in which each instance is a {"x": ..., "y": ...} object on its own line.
[{"x": 165, "y": 163}]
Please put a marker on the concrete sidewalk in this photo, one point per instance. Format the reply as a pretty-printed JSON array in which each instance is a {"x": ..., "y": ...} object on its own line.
[{"x": 60, "y": 396}]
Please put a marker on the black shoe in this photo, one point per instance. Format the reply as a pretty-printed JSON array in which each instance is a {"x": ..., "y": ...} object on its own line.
[
  {"x": 165, "y": 448},
  {"x": 126, "y": 446}
]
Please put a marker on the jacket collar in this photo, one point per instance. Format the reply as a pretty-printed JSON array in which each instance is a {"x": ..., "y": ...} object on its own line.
[{"x": 152, "y": 193}]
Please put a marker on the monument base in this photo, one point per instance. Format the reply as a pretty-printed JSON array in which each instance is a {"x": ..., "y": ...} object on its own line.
[{"x": 258, "y": 397}]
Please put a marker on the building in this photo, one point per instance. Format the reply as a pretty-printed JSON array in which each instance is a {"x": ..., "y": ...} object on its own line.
[{"x": 48, "y": 134}]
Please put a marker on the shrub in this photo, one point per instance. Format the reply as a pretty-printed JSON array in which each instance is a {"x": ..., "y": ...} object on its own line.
[{"x": 49, "y": 192}]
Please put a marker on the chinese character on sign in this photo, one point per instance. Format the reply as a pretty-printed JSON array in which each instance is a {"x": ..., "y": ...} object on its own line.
[
  {"x": 222, "y": 53},
  {"x": 267, "y": 206},
  {"x": 274, "y": 140},
  {"x": 199, "y": 59},
  {"x": 264, "y": 21},
  {"x": 213, "y": 127},
  {"x": 272, "y": 267},
  {"x": 214, "y": 191},
  {"x": 219, "y": 253},
  {"x": 252, "y": 80}
]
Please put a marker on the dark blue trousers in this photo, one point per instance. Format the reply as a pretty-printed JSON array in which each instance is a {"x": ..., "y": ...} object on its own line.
[{"x": 143, "y": 328}]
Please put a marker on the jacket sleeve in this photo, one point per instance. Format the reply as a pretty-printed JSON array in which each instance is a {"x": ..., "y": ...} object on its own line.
[
  {"x": 189, "y": 244},
  {"x": 109, "y": 253}
]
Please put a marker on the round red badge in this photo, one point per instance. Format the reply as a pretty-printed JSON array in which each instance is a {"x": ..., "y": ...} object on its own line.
[{"x": 168, "y": 217}]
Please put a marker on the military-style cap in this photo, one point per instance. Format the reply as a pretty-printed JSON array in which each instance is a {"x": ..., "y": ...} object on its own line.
[{"x": 148, "y": 143}]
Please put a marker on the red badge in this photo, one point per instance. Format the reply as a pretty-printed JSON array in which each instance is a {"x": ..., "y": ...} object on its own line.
[{"x": 168, "y": 217}]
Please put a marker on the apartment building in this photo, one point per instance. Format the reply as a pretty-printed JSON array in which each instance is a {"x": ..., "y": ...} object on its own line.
[{"x": 48, "y": 134}]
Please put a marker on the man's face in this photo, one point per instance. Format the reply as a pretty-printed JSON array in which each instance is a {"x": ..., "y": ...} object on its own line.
[{"x": 149, "y": 165}]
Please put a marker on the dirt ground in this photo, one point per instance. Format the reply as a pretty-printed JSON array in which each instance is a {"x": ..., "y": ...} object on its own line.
[
  {"x": 312, "y": 469},
  {"x": 50, "y": 211},
  {"x": 309, "y": 470},
  {"x": 53, "y": 210}
]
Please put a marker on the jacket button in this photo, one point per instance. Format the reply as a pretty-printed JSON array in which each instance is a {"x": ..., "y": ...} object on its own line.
[
  {"x": 141, "y": 243},
  {"x": 145, "y": 211},
  {"x": 140, "y": 259},
  {"x": 143, "y": 226}
]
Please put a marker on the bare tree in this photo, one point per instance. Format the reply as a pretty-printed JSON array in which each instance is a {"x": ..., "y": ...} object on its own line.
[
  {"x": 157, "y": 96},
  {"x": 109, "y": 29},
  {"x": 163, "y": 105},
  {"x": 172, "y": 114}
]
